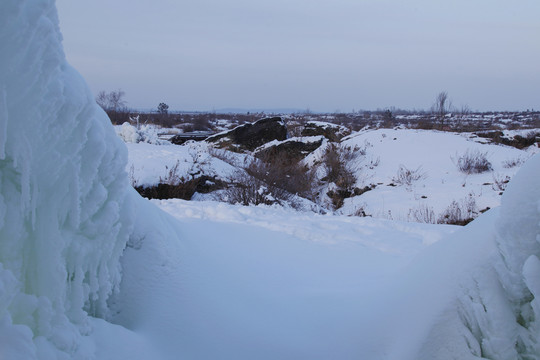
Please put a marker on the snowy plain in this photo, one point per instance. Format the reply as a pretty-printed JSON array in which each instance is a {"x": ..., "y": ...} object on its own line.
[{"x": 90, "y": 270}]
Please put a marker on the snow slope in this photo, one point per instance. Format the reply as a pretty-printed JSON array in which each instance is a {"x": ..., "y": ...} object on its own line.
[
  {"x": 148, "y": 163},
  {"x": 435, "y": 154}
]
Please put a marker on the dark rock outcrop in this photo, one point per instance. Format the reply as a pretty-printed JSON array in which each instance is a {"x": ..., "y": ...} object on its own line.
[
  {"x": 251, "y": 136},
  {"x": 292, "y": 150},
  {"x": 517, "y": 141},
  {"x": 183, "y": 190},
  {"x": 330, "y": 131}
]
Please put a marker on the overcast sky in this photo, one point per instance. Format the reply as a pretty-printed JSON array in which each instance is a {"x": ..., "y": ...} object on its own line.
[{"x": 322, "y": 55}]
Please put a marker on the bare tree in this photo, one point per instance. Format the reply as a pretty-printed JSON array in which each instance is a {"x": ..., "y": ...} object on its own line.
[
  {"x": 103, "y": 99},
  {"x": 114, "y": 104},
  {"x": 462, "y": 115},
  {"x": 441, "y": 107},
  {"x": 113, "y": 101},
  {"x": 116, "y": 99}
]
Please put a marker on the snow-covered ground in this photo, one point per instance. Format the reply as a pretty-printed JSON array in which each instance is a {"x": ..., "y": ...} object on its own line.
[
  {"x": 90, "y": 270},
  {"x": 433, "y": 154},
  {"x": 266, "y": 282}
]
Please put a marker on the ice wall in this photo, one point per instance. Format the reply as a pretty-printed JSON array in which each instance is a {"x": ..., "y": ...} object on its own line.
[
  {"x": 494, "y": 311},
  {"x": 64, "y": 217},
  {"x": 518, "y": 270}
]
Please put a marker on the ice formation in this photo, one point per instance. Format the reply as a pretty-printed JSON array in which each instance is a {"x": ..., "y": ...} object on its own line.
[
  {"x": 64, "y": 213},
  {"x": 508, "y": 327},
  {"x": 492, "y": 310}
]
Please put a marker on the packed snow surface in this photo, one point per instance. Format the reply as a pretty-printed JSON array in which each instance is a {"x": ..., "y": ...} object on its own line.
[{"x": 89, "y": 270}]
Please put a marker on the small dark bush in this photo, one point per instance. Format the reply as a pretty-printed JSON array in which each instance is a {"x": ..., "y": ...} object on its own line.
[
  {"x": 406, "y": 176},
  {"x": 423, "y": 214},
  {"x": 460, "y": 213},
  {"x": 510, "y": 163},
  {"x": 337, "y": 162},
  {"x": 473, "y": 162}
]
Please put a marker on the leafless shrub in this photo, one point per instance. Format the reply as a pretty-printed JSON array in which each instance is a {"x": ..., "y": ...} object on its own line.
[
  {"x": 338, "y": 164},
  {"x": 460, "y": 213},
  {"x": 198, "y": 162},
  {"x": 423, "y": 214},
  {"x": 282, "y": 173},
  {"x": 407, "y": 176},
  {"x": 270, "y": 180},
  {"x": 172, "y": 177},
  {"x": 473, "y": 162},
  {"x": 500, "y": 182},
  {"x": 360, "y": 211},
  {"x": 247, "y": 190},
  {"x": 373, "y": 163},
  {"x": 511, "y": 163}
]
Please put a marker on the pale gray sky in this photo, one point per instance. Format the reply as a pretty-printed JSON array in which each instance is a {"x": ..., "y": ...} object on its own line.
[{"x": 321, "y": 55}]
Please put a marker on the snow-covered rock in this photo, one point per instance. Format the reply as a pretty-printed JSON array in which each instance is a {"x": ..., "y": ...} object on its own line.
[
  {"x": 252, "y": 135},
  {"x": 332, "y": 132}
]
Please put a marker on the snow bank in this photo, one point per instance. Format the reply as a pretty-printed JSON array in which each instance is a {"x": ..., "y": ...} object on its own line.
[
  {"x": 475, "y": 294},
  {"x": 64, "y": 214}
]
